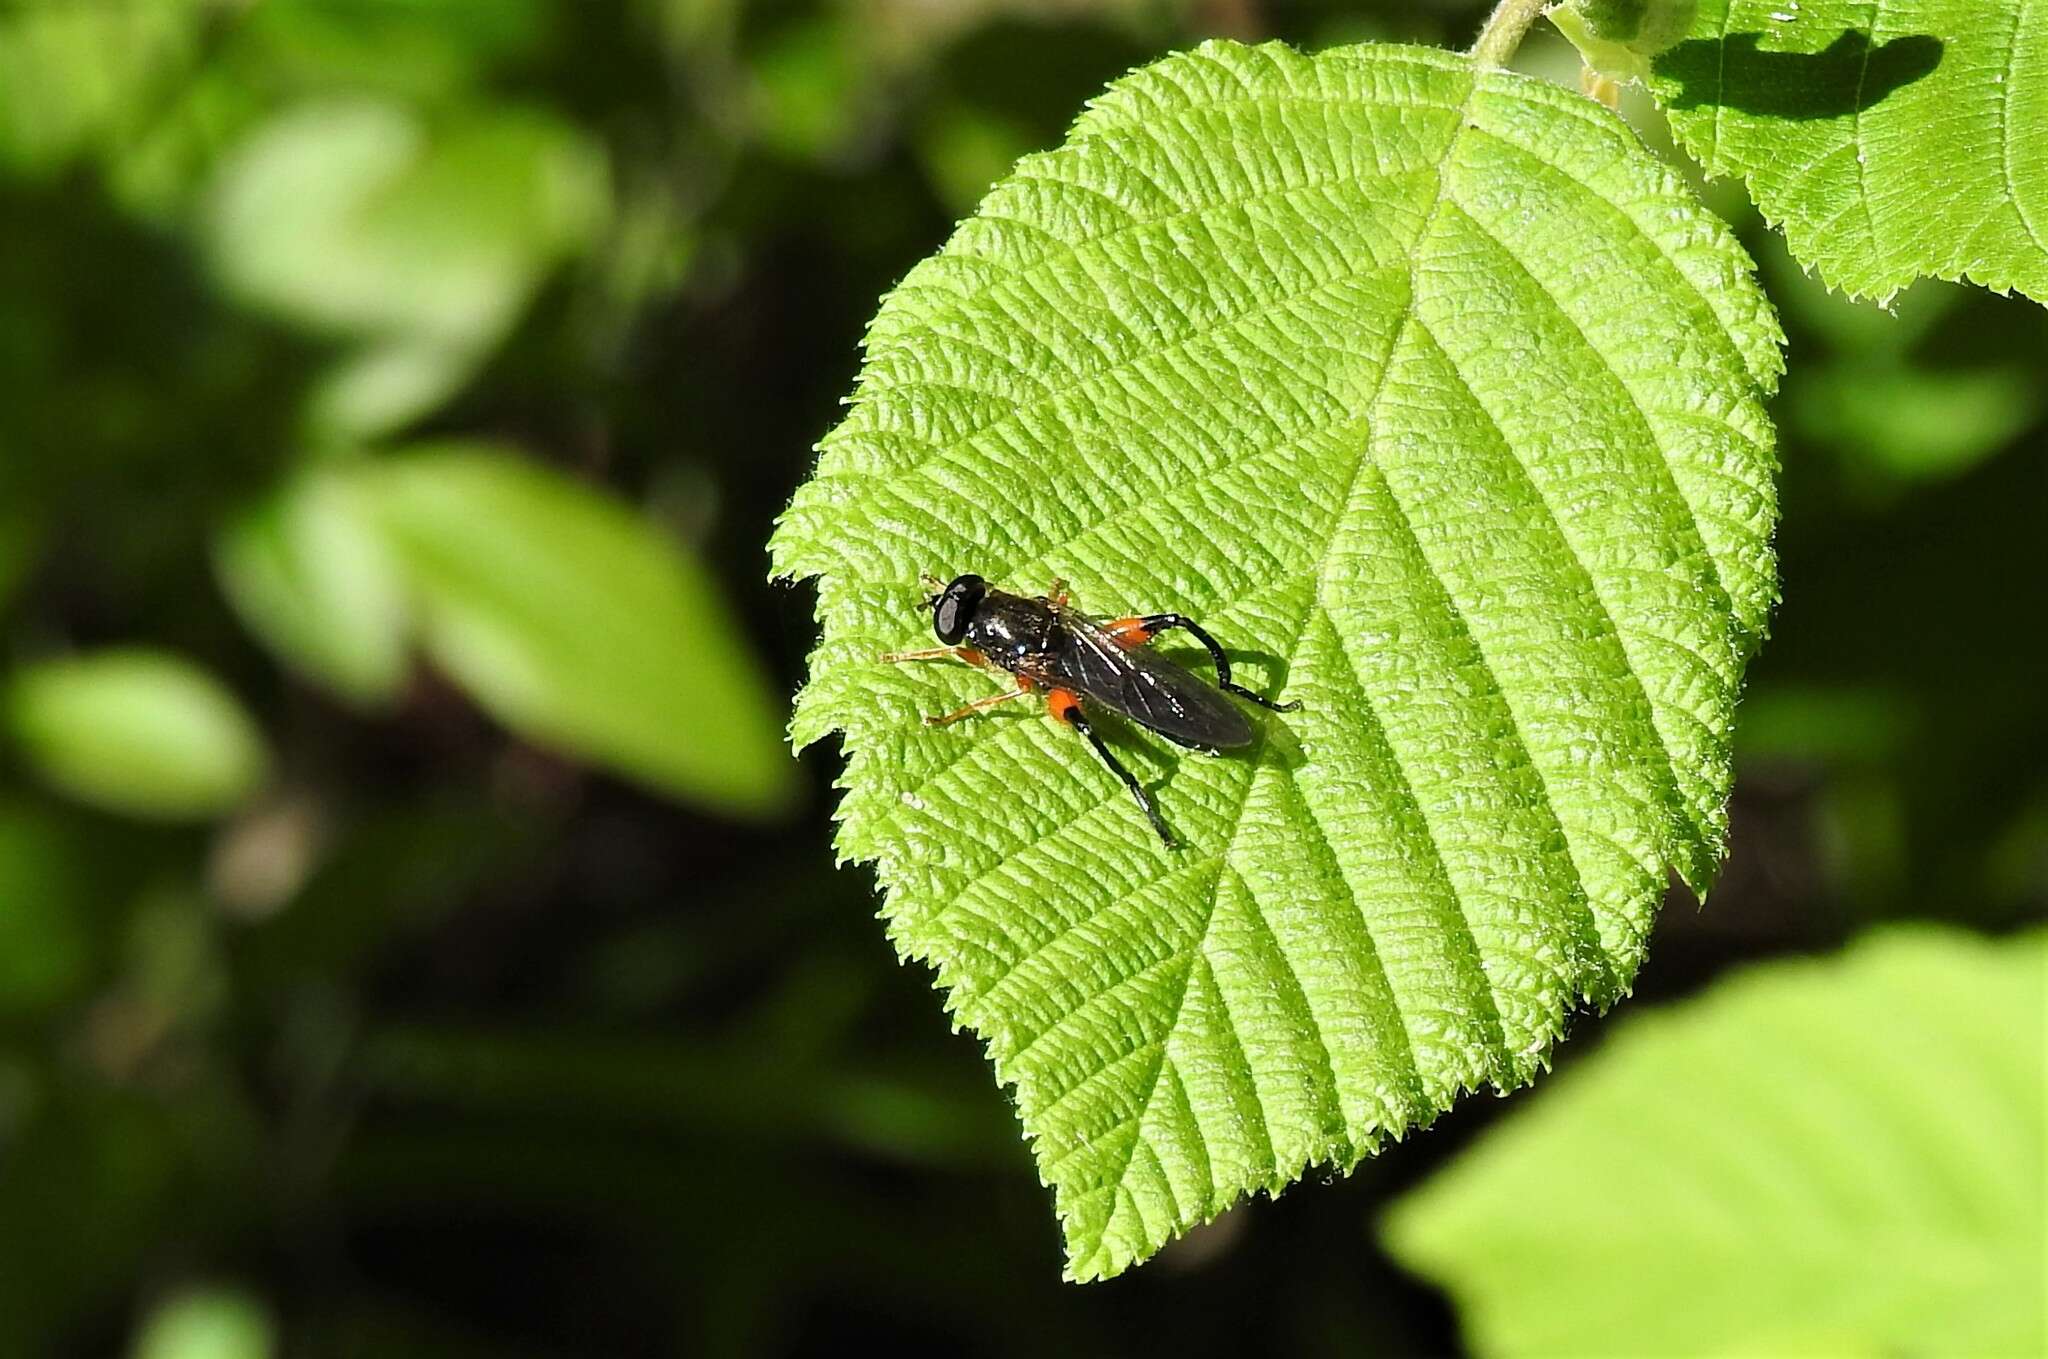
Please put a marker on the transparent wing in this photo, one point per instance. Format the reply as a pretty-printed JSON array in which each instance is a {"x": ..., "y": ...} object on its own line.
[{"x": 1150, "y": 690}]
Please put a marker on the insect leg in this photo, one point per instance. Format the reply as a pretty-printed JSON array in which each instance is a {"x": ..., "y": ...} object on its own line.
[
  {"x": 1151, "y": 625},
  {"x": 978, "y": 704},
  {"x": 1066, "y": 708},
  {"x": 935, "y": 653}
]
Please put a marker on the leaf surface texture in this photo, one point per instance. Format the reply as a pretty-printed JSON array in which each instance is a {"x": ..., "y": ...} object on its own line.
[
  {"x": 1439, "y": 401},
  {"x": 1890, "y": 139},
  {"x": 1828, "y": 1157}
]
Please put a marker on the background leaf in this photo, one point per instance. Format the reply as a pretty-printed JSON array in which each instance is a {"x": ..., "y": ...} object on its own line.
[
  {"x": 142, "y": 732},
  {"x": 1833, "y": 1157},
  {"x": 1620, "y": 37},
  {"x": 1440, "y": 400},
  {"x": 421, "y": 242},
  {"x": 574, "y": 622},
  {"x": 308, "y": 569},
  {"x": 1889, "y": 141},
  {"x": 215, "y": 1323},
  {"x": 75, "y": 75}
]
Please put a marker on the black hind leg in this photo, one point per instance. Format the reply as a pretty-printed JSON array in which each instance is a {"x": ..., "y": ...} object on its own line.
[
  {"x": 1156, "y": 623},
  {"x": 1072, "y": 716}
]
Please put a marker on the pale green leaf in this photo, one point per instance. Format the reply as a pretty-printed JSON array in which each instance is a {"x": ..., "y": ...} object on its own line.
[
  {"x": 211, "y": 1323},
  {"x": 1620, "y": 38},
  {"x": 1441, "y": 402},
  {"x": 576, "y": 623},
  {"x": 309, "y": 572},
  {"x": 1841, "y": 1156},
  {"x": 1890, "y": 139},
  {"x": 360, "y": 220},
  {"x": 135, "y": 731},
  {"x": 74, "y": 77}
]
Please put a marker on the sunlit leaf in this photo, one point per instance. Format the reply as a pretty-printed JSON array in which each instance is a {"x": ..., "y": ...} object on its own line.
[
  {"x": 141, "y": 732},
  {"x": 360, "y": 220},
  {"x": 207, "y": 1324},
  {"x": 576, "y": 623},
  {"x": 74, "y": 76},
  {"x": 1890, "y": 141},
  {"x": 1437, "y": 398},
  {"x": 1815, "y": 1158},
  {"x": 1620, "y": 38},
  {"x": 308, "y": 570}
]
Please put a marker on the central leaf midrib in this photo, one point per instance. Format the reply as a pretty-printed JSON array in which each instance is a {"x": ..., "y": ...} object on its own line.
[
  {"x": 1318, "y": 574},
  {"x": 1187, "y": 955}
]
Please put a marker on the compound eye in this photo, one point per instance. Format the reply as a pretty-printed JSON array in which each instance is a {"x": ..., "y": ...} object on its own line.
[{"x": 955, "y": 608}]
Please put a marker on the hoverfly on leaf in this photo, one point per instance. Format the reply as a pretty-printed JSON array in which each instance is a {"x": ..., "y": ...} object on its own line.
[{"x": 1078, "y": 662}]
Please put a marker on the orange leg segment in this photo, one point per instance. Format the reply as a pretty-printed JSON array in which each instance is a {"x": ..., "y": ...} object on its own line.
[
  {"x": 937, "y": 653},
  {"x": 1128, "y": 633},
  {"x": 1024, "y": 686},
  {"x": 1064, "y": 705}
]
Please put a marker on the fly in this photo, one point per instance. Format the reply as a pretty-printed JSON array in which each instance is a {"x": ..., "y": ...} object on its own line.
[{"x": 1078, "y": 662}]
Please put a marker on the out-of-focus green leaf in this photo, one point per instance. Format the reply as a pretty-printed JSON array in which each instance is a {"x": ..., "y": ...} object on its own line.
[
  {"x": 73, "y": 73},
  {"x": 966, "y": 149},
  {"x": 426, "y": 54},
  {"x": 141, "y": 732},
  {"x": 1822, "y": 1157},
  {"x": 360, "y": 220},
  {"x": 385, "y": 384},
  {"x": 1898, "y": 403},
  {"x": 1835, "y": 721},
  {"x": 44, "y": 946},
  {"x": 308, "y": 570},
  {"x": 214, "y": 1323},
  {"x": 574, "y": 622},
  {"x": 811, "y": 96},
  {"x": 1900, "y": 425}
]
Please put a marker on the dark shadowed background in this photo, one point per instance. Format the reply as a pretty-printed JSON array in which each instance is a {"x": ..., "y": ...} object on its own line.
[{"x": 372, "y": 984}]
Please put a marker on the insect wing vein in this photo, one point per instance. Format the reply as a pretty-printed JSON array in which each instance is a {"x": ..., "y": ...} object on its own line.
[{"x": 1149, "y": 689}]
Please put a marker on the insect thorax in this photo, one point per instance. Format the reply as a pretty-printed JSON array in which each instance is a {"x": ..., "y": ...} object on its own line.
[{"x": 1010, "y": 630}]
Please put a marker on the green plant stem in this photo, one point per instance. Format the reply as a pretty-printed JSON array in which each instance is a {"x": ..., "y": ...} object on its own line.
[{"x": 1504, "y": 30}]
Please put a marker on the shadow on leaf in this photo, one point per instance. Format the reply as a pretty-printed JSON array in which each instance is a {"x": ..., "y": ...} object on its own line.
[{"x": 1846, "y": 76}]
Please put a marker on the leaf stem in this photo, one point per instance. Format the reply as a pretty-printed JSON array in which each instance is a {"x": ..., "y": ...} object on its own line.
[{"x": 1504, "y": 30}]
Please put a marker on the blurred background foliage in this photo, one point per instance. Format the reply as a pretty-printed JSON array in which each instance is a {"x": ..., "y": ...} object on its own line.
[{"x": 414, "y": 938}]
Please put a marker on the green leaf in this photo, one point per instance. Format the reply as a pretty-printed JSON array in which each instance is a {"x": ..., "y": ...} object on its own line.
[
  {"x": 309, "y": 572},
  {"x": 74, "y": 77},
  {"x": 1440, "y": 401},
  {"x": 213, "y": 1323},
  {"x": 1890, "y": 141},
  {"x": 359, "y": 220},
  {"x": 1619, "y": 38},
  {"x": 141, "y": 732},
  {"x": 1816, "y": 1157},
  {"x": 574, "y": 622}
]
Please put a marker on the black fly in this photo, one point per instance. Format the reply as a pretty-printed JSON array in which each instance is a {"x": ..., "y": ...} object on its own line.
[{"x": 1076, "y": 660}]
